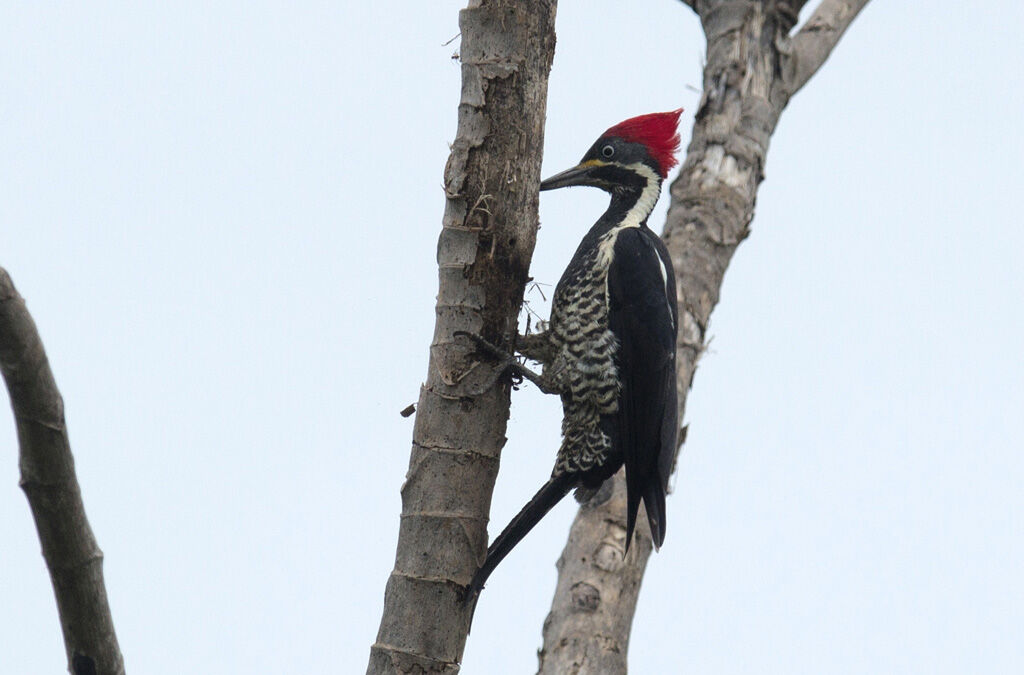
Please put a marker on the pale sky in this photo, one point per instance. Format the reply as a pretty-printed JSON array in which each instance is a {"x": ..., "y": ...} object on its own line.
[{"x": 223, "y": 217}]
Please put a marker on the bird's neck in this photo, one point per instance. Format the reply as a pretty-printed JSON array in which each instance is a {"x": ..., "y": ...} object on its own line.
[{"x": 632, "y": 204}]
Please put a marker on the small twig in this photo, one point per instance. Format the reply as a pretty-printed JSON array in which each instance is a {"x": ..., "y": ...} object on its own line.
[
  {"x": 530, "y": 312},
  {"x": 536, "y": 286}
]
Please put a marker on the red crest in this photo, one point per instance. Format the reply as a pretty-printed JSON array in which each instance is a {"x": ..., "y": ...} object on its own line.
[{"x": 658, "y": 131}]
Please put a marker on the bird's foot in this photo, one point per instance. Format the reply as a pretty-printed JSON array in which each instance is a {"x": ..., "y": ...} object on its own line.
[
  {"x": 510, "y": 363},
  {"x": 536, "y": 347}
]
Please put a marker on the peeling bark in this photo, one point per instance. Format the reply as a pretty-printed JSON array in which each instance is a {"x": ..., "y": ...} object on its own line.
[
  {"x": 72, "y": 556},
  {"x": 488, "y": 234},
  {"x": 754, "y": 66}
]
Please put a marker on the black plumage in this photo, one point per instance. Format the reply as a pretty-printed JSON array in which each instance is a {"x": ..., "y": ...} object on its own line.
[{"x": 643, "y": 318}]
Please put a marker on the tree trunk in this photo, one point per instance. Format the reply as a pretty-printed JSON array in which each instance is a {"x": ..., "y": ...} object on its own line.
[
  {"x": 487, "y": 239},
  {"x": 753, "y": 68},
  {"x": 48, "y": 478}
]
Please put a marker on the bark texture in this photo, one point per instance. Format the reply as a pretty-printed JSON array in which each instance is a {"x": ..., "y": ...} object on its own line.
[
  {"x": 487, "y": 239},
  {"x": 48, "y": 478},
  {"x": 754, "y": 66}
]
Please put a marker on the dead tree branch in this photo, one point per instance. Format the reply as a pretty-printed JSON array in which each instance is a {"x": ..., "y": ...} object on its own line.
[
  {"x": 48, "y": 478},
  {"x": 753, "y": 68},
  {"x": 814, "y": 42},
  {"x": 484, "y": 251}
]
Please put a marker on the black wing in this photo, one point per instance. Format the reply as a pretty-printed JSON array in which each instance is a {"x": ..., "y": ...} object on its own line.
[{"x": 642, "y": 315}]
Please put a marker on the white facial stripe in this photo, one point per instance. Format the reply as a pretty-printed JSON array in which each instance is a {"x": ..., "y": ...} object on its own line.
[
  {"x": 636, "y": 215},
  {"x": 648, "y": 198}
]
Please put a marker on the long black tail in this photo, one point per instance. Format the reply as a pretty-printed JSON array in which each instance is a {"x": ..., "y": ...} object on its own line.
[
  {"x": 654, "y": 504},
  {"x": 651, "y": 490},
  {"x": 549, "y": 495}
]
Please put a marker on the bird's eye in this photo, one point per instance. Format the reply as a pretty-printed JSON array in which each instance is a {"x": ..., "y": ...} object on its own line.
[{"x": 607, "y": 151}]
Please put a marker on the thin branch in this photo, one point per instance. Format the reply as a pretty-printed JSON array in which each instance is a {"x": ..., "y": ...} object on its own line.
[
  {"x": 48, "y": 478},
  {"x": 813, "y": 44}
]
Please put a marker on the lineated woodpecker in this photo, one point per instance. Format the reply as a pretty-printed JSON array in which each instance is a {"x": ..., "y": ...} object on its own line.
[{"x": 609, "y": 349}]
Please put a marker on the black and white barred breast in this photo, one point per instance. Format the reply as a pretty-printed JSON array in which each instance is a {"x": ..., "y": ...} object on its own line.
[{"x": 584, "y": 362}]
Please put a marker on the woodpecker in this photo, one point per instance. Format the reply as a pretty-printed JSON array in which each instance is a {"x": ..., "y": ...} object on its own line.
[{"x": 609, "y": 348}]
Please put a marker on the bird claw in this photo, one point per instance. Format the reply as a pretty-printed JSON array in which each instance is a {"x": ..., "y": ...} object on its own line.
[{"x": 509, "y": 362}]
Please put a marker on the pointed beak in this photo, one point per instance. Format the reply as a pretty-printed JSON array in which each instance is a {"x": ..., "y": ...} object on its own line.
[{"x": 578, "y": 175}]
